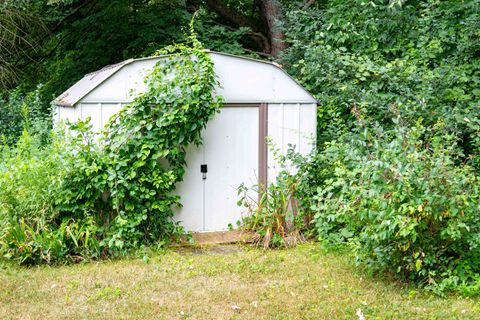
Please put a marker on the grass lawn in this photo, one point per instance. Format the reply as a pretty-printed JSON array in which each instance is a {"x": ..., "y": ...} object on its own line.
[{"x": 221, "y": 283}]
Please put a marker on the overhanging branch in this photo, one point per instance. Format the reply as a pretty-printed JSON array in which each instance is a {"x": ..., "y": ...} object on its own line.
[{"x": 227, "y": 13}]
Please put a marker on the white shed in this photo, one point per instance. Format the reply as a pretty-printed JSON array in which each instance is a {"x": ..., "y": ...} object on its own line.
[{"x": 260, "y": 100}]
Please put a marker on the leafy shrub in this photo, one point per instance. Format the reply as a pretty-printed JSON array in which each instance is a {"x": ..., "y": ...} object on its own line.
[
  {"x": 30, "y": 179},
  {"x": 32, "y": 230},
  {"x": 70, "y": 241},
  {"x": 421, "y": 56},
  {"x": 403, "y": 193},
  {"x": 18, "y": 111},
  {"x": 405, "y": 202}
]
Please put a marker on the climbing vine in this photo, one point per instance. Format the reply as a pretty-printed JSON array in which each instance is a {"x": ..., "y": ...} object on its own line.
[{"x": 129, "y": 184}]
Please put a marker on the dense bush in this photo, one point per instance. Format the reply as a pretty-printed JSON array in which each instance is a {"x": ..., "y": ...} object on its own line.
[
  {"x": 405, "y": 202},
  {"x": 129, "y": 182},
  {"x": 31, "y": 178},
  {"x": 32, "y": 230},
  {"x": 396, "y": 178},
  {"x": 420, "y": 56}
]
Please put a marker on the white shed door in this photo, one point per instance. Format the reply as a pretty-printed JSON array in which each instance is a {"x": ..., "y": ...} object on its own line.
[
  {"x": 231, "y": 156},
  {"x": 230, "y": 152}
]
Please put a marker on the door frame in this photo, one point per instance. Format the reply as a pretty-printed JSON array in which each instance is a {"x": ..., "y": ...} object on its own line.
[{"x": 262, "y": 140}]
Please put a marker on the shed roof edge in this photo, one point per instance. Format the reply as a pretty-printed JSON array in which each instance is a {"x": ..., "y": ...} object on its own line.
[{"x": 58, "y": 101}]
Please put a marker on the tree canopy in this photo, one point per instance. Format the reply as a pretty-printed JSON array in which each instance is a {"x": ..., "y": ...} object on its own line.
[{"x": 56, "y": 42}]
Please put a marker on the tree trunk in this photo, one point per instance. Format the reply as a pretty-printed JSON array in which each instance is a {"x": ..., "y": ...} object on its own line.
[
  {"x": 267, "y": 34},
  {"x": 273, "y": 16}
]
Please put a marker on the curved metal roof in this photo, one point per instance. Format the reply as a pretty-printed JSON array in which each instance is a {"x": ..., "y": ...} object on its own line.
[{"x": 92, "y": 80}]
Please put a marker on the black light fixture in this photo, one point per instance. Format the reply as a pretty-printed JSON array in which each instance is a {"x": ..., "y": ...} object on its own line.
[{"x": 203, "y": 170}]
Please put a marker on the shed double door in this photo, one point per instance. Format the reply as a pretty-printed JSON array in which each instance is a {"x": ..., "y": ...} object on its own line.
[{"x": 228, "y": 157}]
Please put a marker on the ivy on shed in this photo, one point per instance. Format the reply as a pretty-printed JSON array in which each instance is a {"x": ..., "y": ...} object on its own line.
[{"x": 144, "y": 151}]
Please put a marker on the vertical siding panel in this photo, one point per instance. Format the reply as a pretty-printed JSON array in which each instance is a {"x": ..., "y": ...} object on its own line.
[
  {"x": 275, "y": 134},
  {"x": 308, "y": 129},
  {"x": 55, "y": 115},
  {"x": 290, "y": 127},
  {"x": 68, "y": 113},
  {"x": 108, "y": 110},
  {"x": 102, "y": 122},
  {"x": 59, "y": 113},
  {"x": 290, "y": 123},
  {"x": 92, "y": 111},
  {"x": 299, "y": 127},
  {"x": 282, "y": 128}
]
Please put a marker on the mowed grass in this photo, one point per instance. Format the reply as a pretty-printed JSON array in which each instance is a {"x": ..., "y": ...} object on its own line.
[{"x": 219, "y": 283}]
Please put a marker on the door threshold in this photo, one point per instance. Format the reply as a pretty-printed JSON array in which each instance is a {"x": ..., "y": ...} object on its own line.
[{"x": 219, "y": 237}]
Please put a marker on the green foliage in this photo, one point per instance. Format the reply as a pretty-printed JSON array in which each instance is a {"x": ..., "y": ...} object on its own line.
[
  {"x": 219, "y": 37},
  {"x": 404, "y": 204},
  {"x": 61, "y": 41},
  {"x": 274, "y": 216},
  {"x": 99, "y": 33},
  {"x": 72, "y": 241},
  {"x": 396, "y": 178},
  {"x": 19, "y": 111},
  {"x": 84, "y": 196},
  {"x": 420, "y": 56},
  {"x": 32, "y": 231},
  {"x": 280, "y": 213},
  {"x": 129, "y": 182},
  {"x": 30, "y": 179}
]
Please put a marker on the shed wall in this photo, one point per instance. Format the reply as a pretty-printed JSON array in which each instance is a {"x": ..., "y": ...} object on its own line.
[
  {"x": 99, "y": 113},
  {"x": 290, "y": 124}
]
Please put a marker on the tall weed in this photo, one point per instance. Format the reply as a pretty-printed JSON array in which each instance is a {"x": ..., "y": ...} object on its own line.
[{"x": 32, "y": 228}]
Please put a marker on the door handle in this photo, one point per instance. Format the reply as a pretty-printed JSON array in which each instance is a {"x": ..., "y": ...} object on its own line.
[{"x": 204, "y": 170}]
